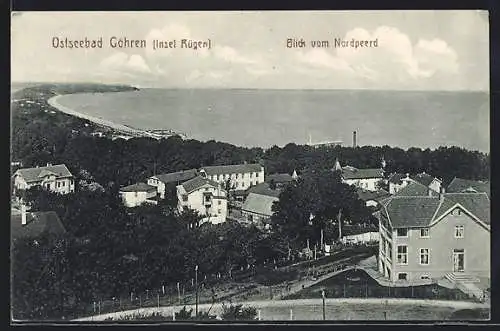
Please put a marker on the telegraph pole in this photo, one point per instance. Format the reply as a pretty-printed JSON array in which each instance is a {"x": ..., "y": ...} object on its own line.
[
  {"x": 196, "y": 280},
  {"x": 324, "y": 312}
]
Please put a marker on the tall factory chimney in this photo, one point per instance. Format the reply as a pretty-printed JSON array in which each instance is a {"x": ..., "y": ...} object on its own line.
[{"x": 354, "y": 139}]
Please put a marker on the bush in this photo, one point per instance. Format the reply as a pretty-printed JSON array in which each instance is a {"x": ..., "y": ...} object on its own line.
[
  {"x": 238, "y": 312},
  {"x": 187, "y": 315}
]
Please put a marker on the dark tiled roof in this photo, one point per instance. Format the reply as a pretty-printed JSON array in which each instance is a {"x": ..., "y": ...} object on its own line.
[
  {"x": 176, "y": 177},
  {"x": 279, "y": 178},
  {"x": 138, "y": 187},
  {"x": 415, "y": 189},
  {"x": 37, "y": 223},
  {"x": 37, "y": 174},
  {"x": 397, "y": 178},
  {"x": 259, "y": 204},
  {"x": 197, "y": 182},
  {"x": 459, "y": 185},
  {"x": 366, "y": 195},
  {"x": 477, "y": 203},
  {"x": 406, "y": 211},
  {"x": 354, "y": 173},
  {"x": 264, "y": 189},
  {"x": 232, "y": 169},
  {"x": 412, "y": 211},
  {"x": 423, "y": 178}
]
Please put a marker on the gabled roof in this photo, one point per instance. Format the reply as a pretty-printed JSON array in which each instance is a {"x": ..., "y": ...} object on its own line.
[
  {"x": 264, "y": 189},
  {"x": 37, "y": 174},
  {"x": 259, "y": 204},
  {"x": 197, "y": 182},
  {"x": 349, "y": 172},
  {"x": 138, "y": 187},
  {"x": 424, "y": 179},
  {"x": 477, "y": 203},
  {"x": 279, "y": 178},
  {"x": 366, "y": 195},
  {"x": 37, "y": 223},
  {"x": 415, "y": 189},
  {"x": 412, "y": 211},
  {"x": 459, "y": 185},
  {"x": 397, "y": 178},
  {"x": 176, "y": 177},
  {"x": 232, "y": 169}
]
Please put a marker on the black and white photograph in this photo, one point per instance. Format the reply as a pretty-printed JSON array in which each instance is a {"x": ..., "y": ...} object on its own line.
[{"x": 250, "y": 166}]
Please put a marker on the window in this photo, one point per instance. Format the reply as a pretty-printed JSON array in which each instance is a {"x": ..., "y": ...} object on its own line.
[
  {"x": 219, "y": 202},
  {"x": 425, "y": 277},
  {"x": 256, "y": 174},
  {"x": 424, "y": 233},
  {"x": 424, "y": 256},
  {"x": 402, "y": 276},
  {"x": 459, "y": 212},
  {"x": 63, "y": 184},
  {"x": 402, "y": 232},
  {"x": 218, "y": 211},
  {"x": 58, "y": 184},
  {"x": 402, "y": 254},
  {"x": 251, "y": 175},
  {"x": 459, "y": 231}
]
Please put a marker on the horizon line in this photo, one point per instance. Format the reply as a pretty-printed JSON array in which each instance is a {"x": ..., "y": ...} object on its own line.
[{"x": 251, "y": 88}]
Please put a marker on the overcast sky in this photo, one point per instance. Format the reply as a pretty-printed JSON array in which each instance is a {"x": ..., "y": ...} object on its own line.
[{"x": 417, "y": 50}]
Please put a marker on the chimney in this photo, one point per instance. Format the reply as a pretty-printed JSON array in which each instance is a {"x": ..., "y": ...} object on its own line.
[
  {"x": 23, "y": 214},
  {"x": 354, "y": 139}
]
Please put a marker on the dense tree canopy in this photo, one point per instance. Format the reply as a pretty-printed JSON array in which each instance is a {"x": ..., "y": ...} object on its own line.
[
  {"x": 111, "y": 250},
  {"x": 313, "y": 204}
]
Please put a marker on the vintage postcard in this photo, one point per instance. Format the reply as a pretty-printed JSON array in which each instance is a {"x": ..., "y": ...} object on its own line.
[{"x": 250, "y": 165}]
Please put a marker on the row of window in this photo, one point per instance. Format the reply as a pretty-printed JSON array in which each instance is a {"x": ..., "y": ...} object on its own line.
[
  {"x": 402, "y": 256},
  {"x": 227, "y": 176},
  {"x": 425, "y": 232}
]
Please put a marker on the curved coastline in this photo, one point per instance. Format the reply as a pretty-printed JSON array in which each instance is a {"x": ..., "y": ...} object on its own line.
[{"x": 99, "y": 121}]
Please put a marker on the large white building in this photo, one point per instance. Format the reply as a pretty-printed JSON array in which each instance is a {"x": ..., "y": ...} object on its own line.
[
  {"x": 55, "y": 178},
  {"x": 138, "y": 194},
  {"x": 205, "y": 196},
  {"x": 240, "y": 176}
]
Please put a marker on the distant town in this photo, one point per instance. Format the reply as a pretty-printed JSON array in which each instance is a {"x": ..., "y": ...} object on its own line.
[{"x": 105, "y": 221}]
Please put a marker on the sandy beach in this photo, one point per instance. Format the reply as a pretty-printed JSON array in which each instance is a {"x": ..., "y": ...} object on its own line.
[{"x": 99, "y": 121}]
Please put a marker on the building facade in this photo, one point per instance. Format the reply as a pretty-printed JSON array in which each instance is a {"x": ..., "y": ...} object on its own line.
[
  {"x": 431, "y": 237},
  {"x": 239, "y": 176},
  {"x": 205, "y": 196},
  {"x": 138, "y": 194},
  {"x": 55, "y": 178},
  {"x": 175, "y": 178},
  {"x": 366, "y": 179}
]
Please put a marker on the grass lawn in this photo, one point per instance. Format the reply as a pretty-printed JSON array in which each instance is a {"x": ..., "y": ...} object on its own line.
[{"x": 358, "y": 284}]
